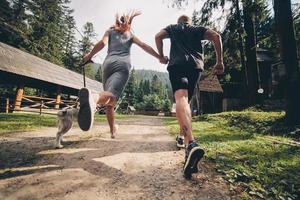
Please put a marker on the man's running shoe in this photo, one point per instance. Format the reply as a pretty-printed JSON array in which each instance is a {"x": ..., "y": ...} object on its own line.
[
  {"x": 193, "y": 154},
  {"x": 180, "y": 141},
  {"x": 86, "y": 109}
]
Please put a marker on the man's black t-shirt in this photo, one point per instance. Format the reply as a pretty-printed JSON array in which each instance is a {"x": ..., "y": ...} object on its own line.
[{"x": 186, "y": 48}]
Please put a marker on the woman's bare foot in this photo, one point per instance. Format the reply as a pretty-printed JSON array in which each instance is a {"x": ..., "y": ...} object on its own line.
[{"x": 114, "y": 131}]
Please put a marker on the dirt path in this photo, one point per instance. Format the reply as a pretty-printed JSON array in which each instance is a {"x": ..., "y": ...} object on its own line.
[{"x": 141, "y": 163}]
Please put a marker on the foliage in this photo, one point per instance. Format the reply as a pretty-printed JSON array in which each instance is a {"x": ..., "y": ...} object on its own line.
[
  {"x": 129, "y": 92},
  {"x": 255, "y": 164},
  {"x": 146, "y": 90},
  {"x": 296, "y": 16},
  {"x": 152, "y": 102},
  {"x": 45, "y": 28}
]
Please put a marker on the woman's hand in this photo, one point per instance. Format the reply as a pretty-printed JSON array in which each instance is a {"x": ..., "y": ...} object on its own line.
[
  {"x": 86, "y": 58},
  {"x": 164, "y": 60}
]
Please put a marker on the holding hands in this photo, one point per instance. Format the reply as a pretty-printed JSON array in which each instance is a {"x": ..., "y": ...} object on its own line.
[{"x": 164, "y": 60}]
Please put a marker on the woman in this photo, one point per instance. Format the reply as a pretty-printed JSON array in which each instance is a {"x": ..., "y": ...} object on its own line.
[{"x": 115, "y": 70}]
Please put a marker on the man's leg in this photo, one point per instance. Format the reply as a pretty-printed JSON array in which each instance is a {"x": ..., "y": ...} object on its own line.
[
  {"x": 193, "y": 152},
  {"x": 183, "y": 114}
]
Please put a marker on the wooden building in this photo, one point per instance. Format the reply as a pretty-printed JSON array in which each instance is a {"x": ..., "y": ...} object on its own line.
[
  {"x": 208, "y": 95},
  {"x": 22, "y": 69}
]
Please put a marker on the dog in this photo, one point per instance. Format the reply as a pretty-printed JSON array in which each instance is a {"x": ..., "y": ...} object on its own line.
[{"x": 66, "y": 117}]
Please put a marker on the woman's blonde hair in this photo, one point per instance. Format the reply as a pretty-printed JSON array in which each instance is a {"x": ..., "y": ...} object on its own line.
[{"x": 123, "y": 22}]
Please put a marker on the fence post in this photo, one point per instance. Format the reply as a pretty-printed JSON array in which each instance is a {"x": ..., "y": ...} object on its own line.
[
  {"x": 41, "y": 105},
  {"x": 58, "y": 97},
  {"x": 19, "y": 96}
]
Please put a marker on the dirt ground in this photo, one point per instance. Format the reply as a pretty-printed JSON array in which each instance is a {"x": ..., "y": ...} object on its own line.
[{"x": 141, "y": 163}]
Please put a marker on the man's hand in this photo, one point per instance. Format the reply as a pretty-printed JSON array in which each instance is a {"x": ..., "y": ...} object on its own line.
[
  {"x": 164, "y": 60},
  {"x": 218, "y": 69}
]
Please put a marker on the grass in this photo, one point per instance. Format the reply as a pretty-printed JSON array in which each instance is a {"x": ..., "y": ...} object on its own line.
[
  {"x": 15, "y": 122},
  {"x": 256, "y": 158}
]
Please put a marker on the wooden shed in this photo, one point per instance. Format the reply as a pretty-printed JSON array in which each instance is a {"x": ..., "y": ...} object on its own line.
[
  {"x": 208, "y": 95},
  {"x": 22, "y": 69}
]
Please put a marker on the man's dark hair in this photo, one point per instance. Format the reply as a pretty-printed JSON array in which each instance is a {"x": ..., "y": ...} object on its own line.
[{"x": 184, "y": 19}]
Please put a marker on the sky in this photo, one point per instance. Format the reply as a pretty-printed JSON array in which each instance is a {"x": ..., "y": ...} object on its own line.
[{"x": 156, "y": 14}]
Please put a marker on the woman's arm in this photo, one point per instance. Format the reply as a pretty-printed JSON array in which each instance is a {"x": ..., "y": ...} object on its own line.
[
  {"x": 146, "y": 47},
  {"x": 97, "y": 47}
]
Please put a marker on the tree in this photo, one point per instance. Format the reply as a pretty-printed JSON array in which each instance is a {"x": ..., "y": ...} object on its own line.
[
  {"x": 98, "y": 76},
  {"x": 152, "y": 102},
  {"x": 71, "y": 57},
  {"x": 250, "y": 47},
  {"x": 86, "y": 43},
  {"x": 13, "y": 28},
  {"x": 146, "y": 87},
  {"x": 46, "y": 37},
  {"x": 288, "y": 52},
  {"x": 239, "y": 34},
  {"x": 129, "y": 92}
]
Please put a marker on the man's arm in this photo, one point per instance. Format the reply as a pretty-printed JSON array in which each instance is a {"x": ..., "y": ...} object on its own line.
[
  {"x": 215, "y": 38},
  {"x": 159, "y": 43}
]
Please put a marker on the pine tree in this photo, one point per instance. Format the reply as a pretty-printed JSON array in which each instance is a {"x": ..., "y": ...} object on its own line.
[
  {"x": 46, "y": 34},
  {"x": 129, "y": 92},
  {"x": 13, "y": 28},
  {"x": 288, "y": 52},
  {"x": 71, "y": 57}
]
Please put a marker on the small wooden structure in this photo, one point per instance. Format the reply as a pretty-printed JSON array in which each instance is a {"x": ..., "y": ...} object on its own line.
[
  {"x": 208, "y": 95},
  {"x": 22, "y": 70}
]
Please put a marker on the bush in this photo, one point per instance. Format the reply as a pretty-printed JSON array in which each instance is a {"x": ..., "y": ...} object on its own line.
[{"x": 152, "y": 102}]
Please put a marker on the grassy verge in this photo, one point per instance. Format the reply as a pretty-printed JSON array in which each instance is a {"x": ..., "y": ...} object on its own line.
[
  {"x": 247, "y": 149},
  {"x": 14, "y": 122}
]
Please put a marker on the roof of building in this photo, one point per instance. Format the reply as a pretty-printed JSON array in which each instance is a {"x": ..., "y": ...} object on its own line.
[
  {"x": 35, "y": 70},
  {"x": 210, "y": 83}
]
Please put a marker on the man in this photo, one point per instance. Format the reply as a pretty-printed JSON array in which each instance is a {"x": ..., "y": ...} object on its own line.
[{"x": 185, "y": 66}]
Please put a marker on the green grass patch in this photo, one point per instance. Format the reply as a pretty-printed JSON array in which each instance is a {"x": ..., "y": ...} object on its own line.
[
  {"x": 15, "y": 122},
  {"x": 240, "y": 145}
]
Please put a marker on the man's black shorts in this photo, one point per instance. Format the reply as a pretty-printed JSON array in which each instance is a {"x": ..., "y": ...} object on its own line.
[{"x": 184, "y": 77}]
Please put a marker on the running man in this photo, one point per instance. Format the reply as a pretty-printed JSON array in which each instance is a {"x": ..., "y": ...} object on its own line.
[{"x": 185, "y": 67}]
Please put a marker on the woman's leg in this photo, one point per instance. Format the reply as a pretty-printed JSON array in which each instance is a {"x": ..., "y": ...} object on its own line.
[
  {"x": 110, "y": 115},
  {"x": 106, "y": 99}
]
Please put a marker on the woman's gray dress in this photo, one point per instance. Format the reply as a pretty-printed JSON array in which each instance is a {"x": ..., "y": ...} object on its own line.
[{"x": 116, "y": 66}]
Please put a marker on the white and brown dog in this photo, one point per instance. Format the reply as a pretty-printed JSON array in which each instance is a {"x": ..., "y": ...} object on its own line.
[{"x": 66, "y": 117}]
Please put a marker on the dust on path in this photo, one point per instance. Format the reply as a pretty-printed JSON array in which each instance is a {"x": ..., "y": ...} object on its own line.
[{"x": 141, "y": 163}]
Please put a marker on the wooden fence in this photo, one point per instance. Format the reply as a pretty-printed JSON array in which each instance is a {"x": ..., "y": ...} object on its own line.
[{"x": 34, "y": 104}]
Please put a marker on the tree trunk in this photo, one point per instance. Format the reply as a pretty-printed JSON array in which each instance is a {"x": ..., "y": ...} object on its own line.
[
  {"x": 242, "y": 51},
  {"x": 288, "y": 53},
  {"x": 251, "y": 63}
]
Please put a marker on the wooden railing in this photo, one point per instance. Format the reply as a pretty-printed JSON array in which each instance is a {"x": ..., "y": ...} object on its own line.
[{"x": 35, "y": 104}]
